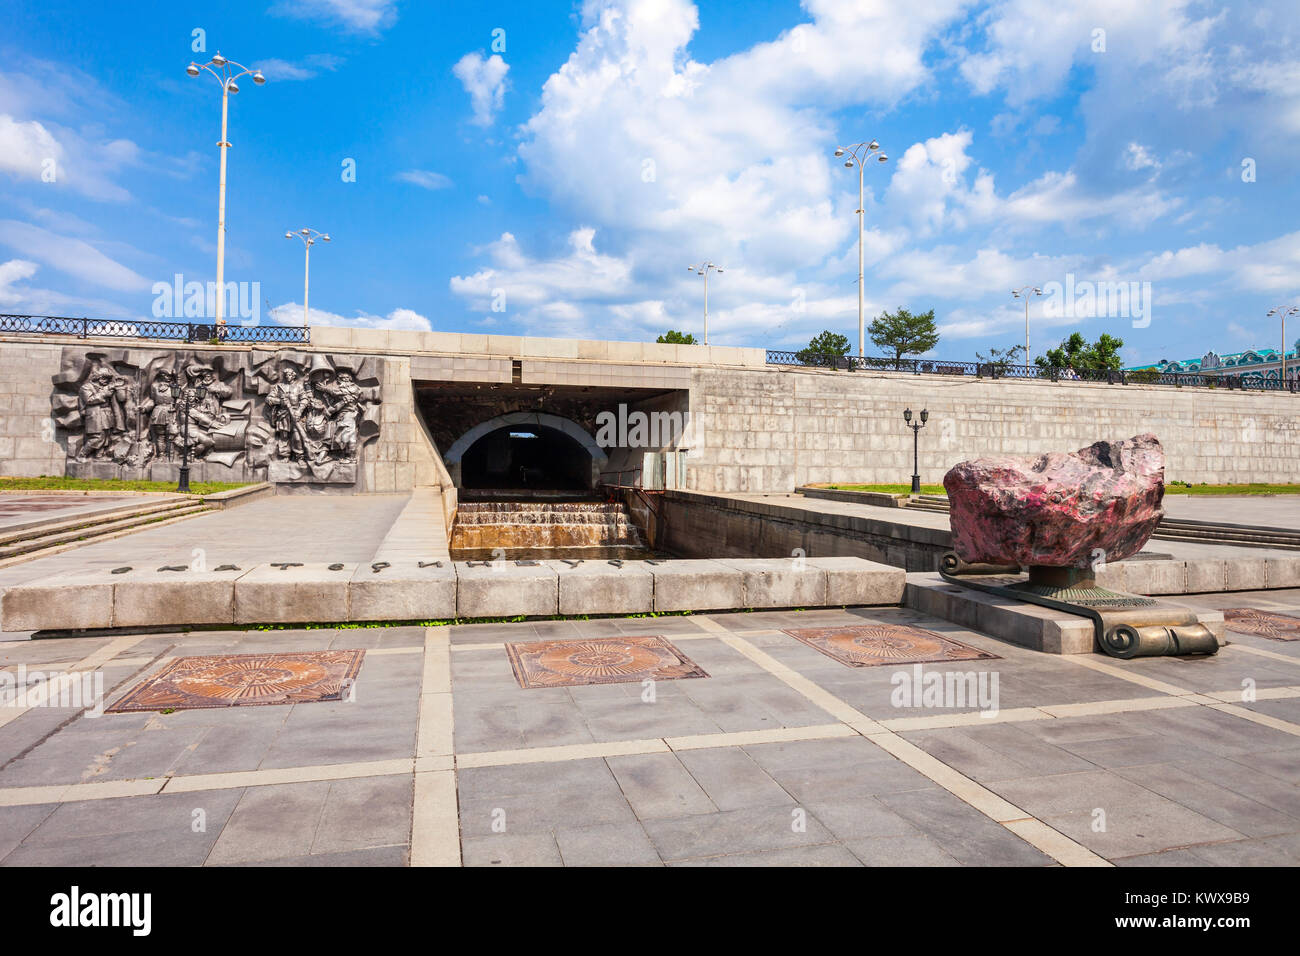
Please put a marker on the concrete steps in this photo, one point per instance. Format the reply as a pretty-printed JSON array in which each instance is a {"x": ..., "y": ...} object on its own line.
[
  {"x": 929, "y": 503},
  {"x": 1208, "y": 532},
  {"x": 90, "y": 528},
  {"x": 1174, "y": 529}
]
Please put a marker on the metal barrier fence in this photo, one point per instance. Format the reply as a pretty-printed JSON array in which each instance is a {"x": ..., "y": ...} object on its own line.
[
  {"x": 996, "y": 370},
  {"x": 189, "y": 332}
]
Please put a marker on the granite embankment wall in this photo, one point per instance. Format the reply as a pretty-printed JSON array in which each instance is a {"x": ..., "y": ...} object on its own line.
[
  {"x": 28, "y": 445},
  {"x": 775, "y": 429},
  {"x": 753, "y": 428}
]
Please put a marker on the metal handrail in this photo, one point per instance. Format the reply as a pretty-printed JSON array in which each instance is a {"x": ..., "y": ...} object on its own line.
[
  {"x": 84, "y": 327},
  {"x": 997, "y": 370}
]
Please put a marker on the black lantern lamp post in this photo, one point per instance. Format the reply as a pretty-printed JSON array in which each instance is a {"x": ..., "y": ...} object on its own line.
[
  {"x": 184, "y": 398},
  {"x": 916, "y": 438}
]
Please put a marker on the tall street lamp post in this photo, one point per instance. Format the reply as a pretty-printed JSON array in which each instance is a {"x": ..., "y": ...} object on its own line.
[
  {"x": 308, "y": 237},
  {"x": 1283, "y": 312},
  {"x": 703, "y": 270},
  {"x": 184, "y": 398},
  {"x": 858, "y": 154},
  {"x": 1025, "y": 292},
  {"x": 227, "y": 77},
  {"x": 916, "y": 441}
]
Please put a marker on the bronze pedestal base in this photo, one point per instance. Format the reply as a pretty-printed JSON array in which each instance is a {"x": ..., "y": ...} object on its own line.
[{"x": 1127, "y": 625}]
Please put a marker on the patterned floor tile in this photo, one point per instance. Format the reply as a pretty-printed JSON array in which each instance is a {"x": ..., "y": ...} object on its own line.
[
  {"x": 238, "y": 680},
  {"x": 604, "y": 660}
]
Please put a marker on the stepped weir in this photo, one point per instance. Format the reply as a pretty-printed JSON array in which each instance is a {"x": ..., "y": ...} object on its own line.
[{"x": 484, "y": 530}]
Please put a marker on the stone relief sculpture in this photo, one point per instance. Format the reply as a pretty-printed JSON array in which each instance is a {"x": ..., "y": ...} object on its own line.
[{"x": 279, "y": 416}]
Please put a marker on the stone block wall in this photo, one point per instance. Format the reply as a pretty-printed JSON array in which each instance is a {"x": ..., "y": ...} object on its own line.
[
  {"x": 763, "y": 429},
  {"x": 28, "y": 445},
  {"x": 404, "y": 456},
  {"x": 771, "y": 430}
]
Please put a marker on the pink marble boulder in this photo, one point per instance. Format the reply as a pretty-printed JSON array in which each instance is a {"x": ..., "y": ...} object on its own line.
[{"x": 1059, "y": 509}]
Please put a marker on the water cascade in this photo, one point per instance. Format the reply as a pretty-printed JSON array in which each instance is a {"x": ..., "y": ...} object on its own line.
[{"x": 545, "y": 529}]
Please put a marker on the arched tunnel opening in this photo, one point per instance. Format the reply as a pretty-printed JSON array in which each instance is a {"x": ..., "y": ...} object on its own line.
[
  {"x": 527, "y": 458},
  {"x": 528, "y": 462}
]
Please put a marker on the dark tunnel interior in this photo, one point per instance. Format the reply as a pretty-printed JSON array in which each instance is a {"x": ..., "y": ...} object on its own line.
[{"x": 526, "y": 457}]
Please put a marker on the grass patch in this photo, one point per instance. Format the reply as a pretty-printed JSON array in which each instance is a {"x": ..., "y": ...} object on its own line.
[
  {"x": 50, "y": 483},
  {"x": 887, "y": 489},
  {"x": 1253, "y": 488},
  {"x": 364, "y": 625},
  {"x": 1171, "y": 488}
]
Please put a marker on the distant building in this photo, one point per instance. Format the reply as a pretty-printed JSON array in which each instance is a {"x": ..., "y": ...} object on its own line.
[{"x": 1253, "y": 363}]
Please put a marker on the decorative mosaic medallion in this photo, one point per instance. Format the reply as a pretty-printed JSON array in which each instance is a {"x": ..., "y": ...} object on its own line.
[
  {"x": 239, "y": 680},
  {"x": 603, "y": 660},
  {"x": 1249, "y": 620},
  {"x": 870, "y": 645}
]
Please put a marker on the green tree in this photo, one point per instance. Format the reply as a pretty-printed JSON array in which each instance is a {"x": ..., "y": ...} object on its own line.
[
  {"x": 673, "y": 337},
  {"x": 902, "y": 333},
  {"x": 1075, "y": 352},
  {"x": 1000, "y": 359},
  {"x": 824, "y": 349}
]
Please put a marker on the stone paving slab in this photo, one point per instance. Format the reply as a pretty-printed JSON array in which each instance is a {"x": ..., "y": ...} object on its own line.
[
  {"x": 329, "y": 528},
  {"x": 781, "y": 757}
]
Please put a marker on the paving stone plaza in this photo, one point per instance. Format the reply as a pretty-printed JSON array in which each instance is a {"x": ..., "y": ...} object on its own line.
[
  {"x": 382, "y": 503},
  {"x": 752, "y": 738},
  {"x": 407, "y": 654}
]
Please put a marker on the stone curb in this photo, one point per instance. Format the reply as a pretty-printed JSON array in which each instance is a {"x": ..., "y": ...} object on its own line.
[{"x": 440, "y": 590}]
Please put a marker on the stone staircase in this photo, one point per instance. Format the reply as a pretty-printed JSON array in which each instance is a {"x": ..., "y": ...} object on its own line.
[
  {"x": 1210, "y": 532},
  {"x": 1178, "y": 529},
  {"x": 929, "y": 503},
  {"x": 35, "y": 540}
]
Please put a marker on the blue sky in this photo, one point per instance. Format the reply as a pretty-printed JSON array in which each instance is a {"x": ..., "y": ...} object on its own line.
[{"x": 560, "y": 184}]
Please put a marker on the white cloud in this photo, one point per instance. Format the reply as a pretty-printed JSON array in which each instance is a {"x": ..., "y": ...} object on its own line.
[
  {"x": 362, "y": 16},
  {"x": 1138, "y": 157},
  {"x": 290, "y": 313},
  {"x": 582, "y": 274},
  {"x": 424, "y": 178},
  {"x": 15, "y": 270},
  {"x": 73, "y": 256},
  {"x": 673, "y": 158},
  {"x": 17, "y": 296},
  {"x": 1062, "y": 198},
  {"x": 1271, "y": 265},
  {"x": 60, "y": 158},
  {"x": 937, "y": 189},
  {"x": 304, "y": 69},
  {"x": 27, "y": 148},
  {"x": 1032, "y": 45},
  {"x": 485, "y": 82}
]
